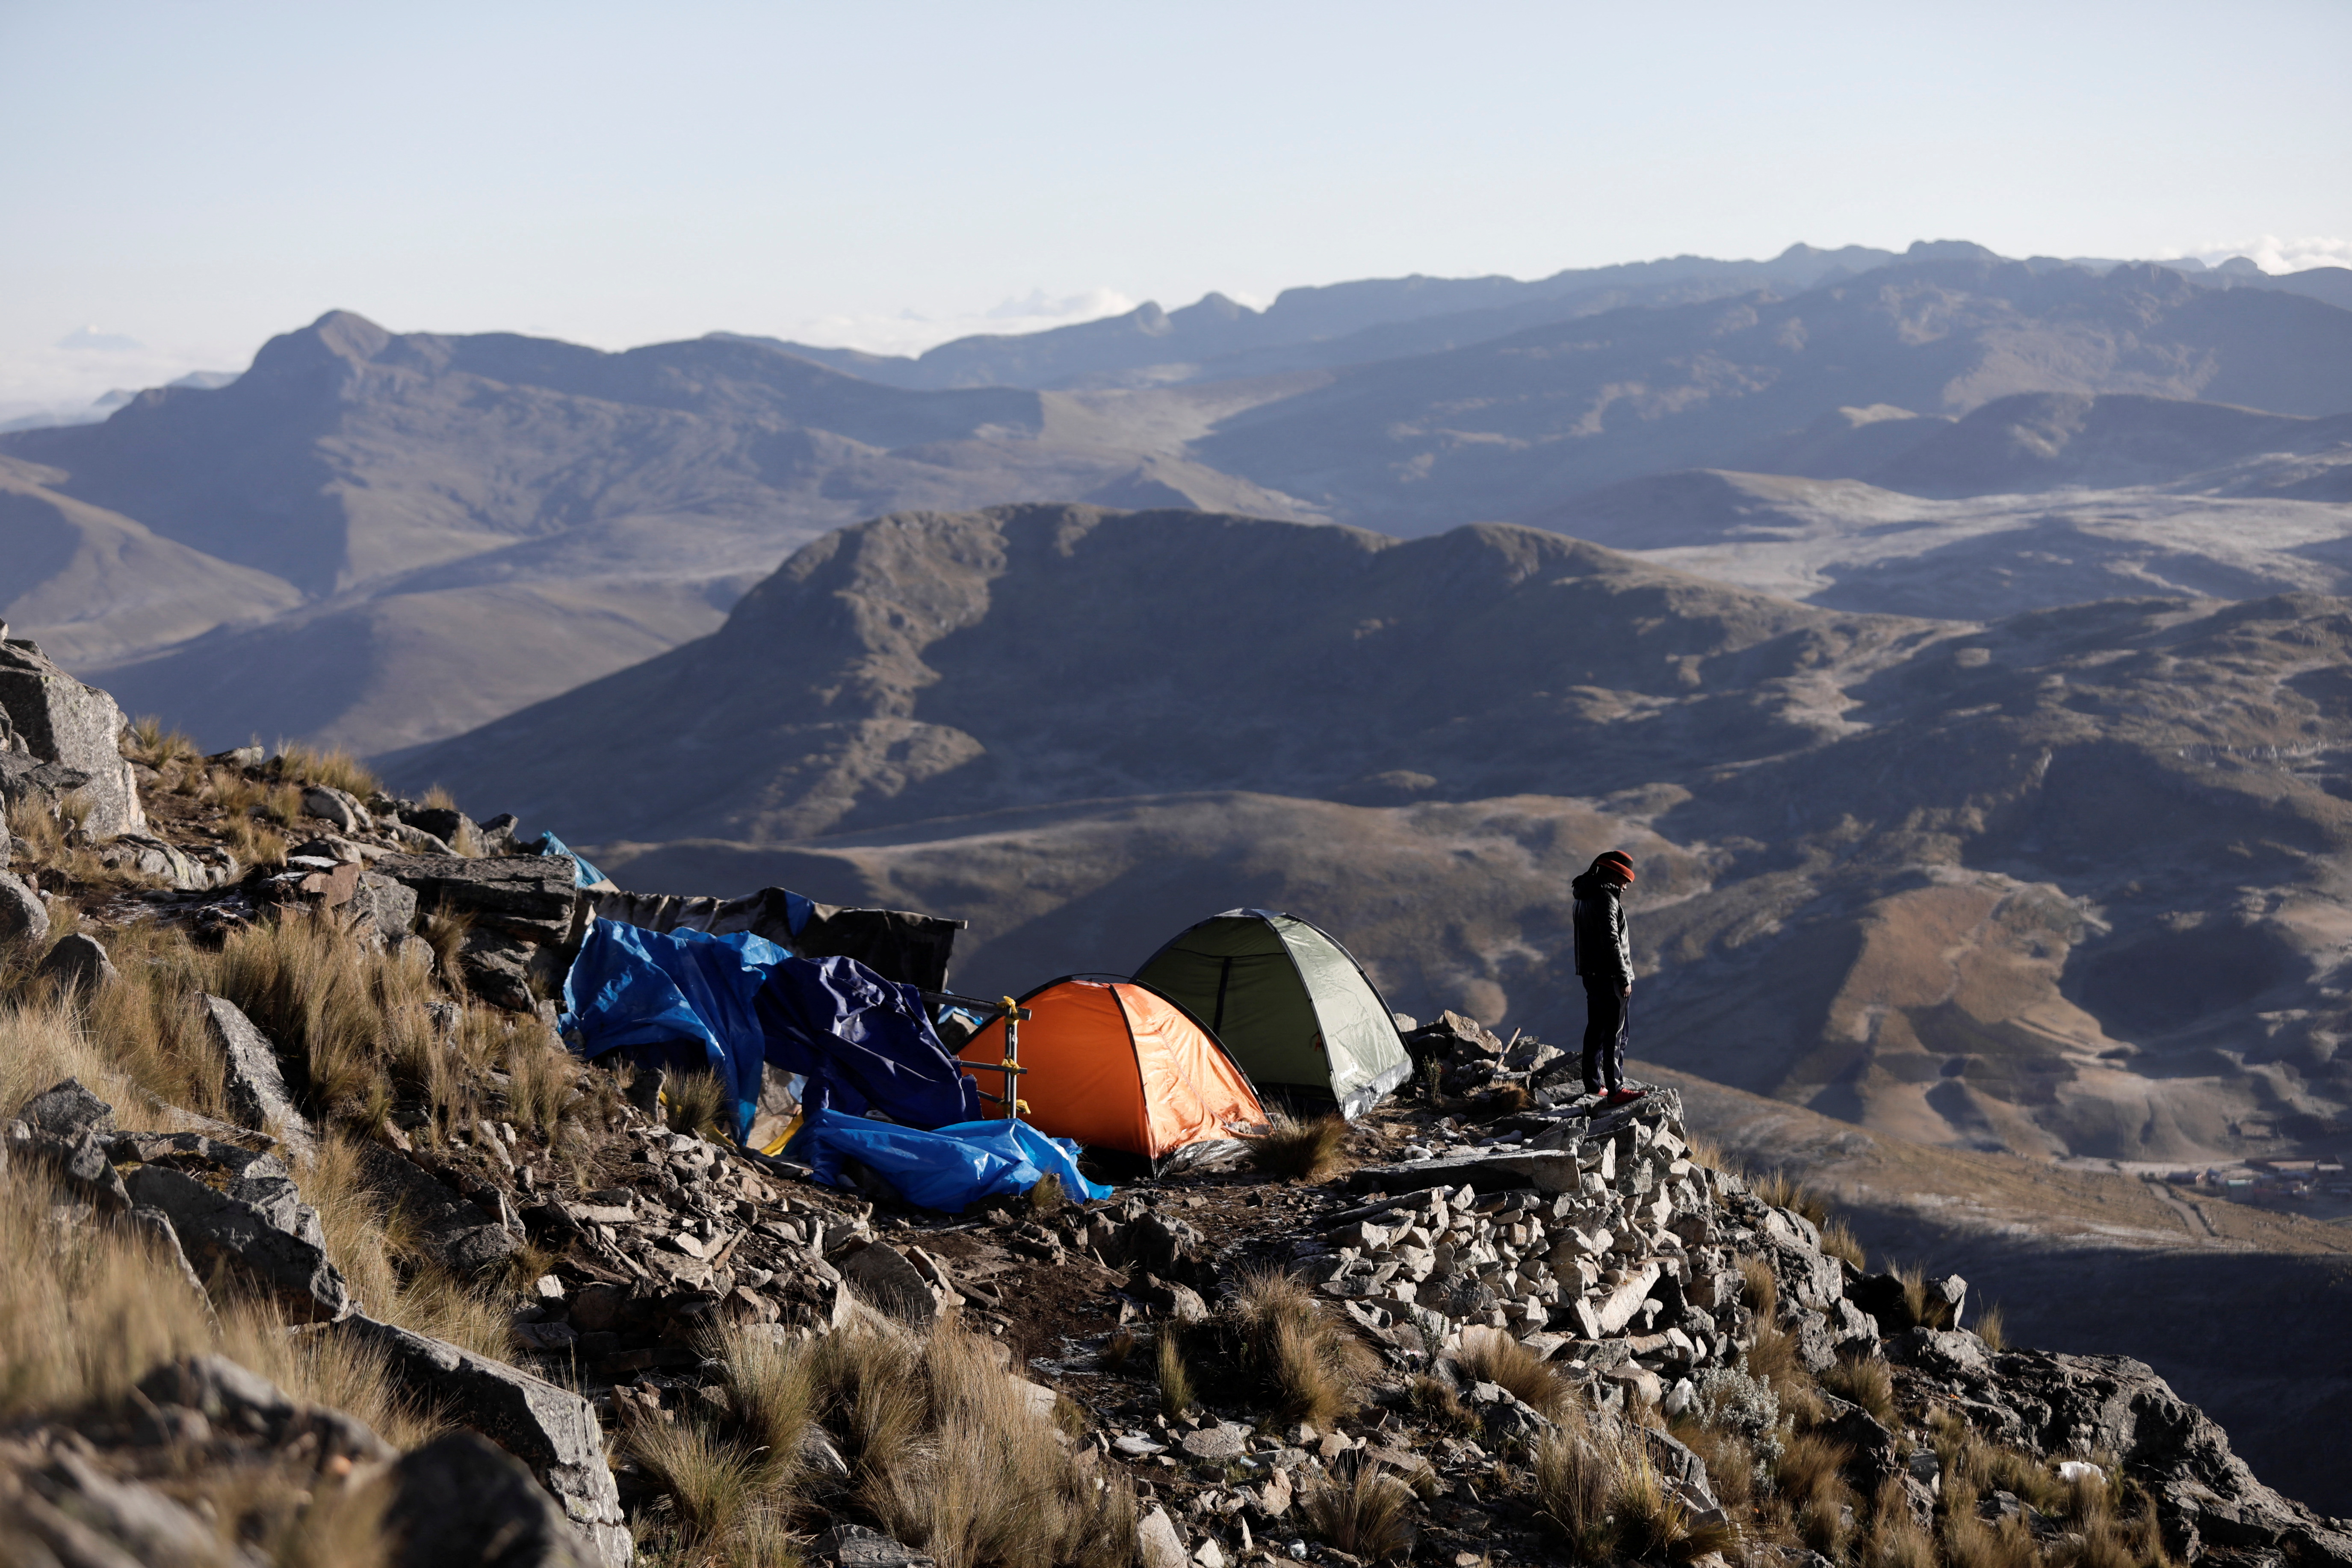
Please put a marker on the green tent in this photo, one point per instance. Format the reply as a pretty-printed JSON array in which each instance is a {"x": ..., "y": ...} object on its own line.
[{"x": 1287, "y": 1002}]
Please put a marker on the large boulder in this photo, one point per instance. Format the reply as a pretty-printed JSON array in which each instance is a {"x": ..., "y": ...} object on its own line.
[
  {"x": 258, "y": 1230},
  {"x": 61, "y": 721},
  {"x": 68, "y": 1109},
  {"x": 77, "y": 964},
  {"x": 550, "y": 1429},
  {"x": 22, "y": 913},
  {"x": 461, "y": 1503}
]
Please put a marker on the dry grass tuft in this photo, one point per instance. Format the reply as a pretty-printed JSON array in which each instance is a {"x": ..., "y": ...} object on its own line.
[
  {"x": 1729, "y": 1458},
  {"x": 1785, "y": 1192},
  {"x": 253, "y": 844},
  {"x": 542, "y": 1079},
  {"x": 1575, "y": 1475},
  {"x": 1364, "y": 1512},
  {"x": 1310, "y": 1363},
  {"x": 325, "y": 1001},
  {"x": 1839, "y": 1241},
  {"x": 1496, "y": 1357},
  {"x": 711, "y": 1483},
  {"x": 1772, "y": 1360},
  {"x": 45, "y": 835},
  {"x": 770, "y": 1399},
  {"x": 1894, "y": 1538},
  {"x": 148, "y": 741},
  {"x": 1934, "y": 1313},
  {"x": 1170, "y": 1371},
  {"x": 1993, "y": 1329},
  {"x": 1865, "y": 1381},
  {"x": 300, "y": 764},
  {"x": 698, "y": 1104},
  {"x": 1965, "y": 1541},
  {"x": 445, "y": 932},
  {"x": 1810, "y": 1476},
  {"x": 1599, "y": 1491},
  {"x": 1299, "y": 1151},
  {"x": 1047, "y": 1199},
  {"x": 1434, "y": 1404},
  {"x": 1757, "y": 1289},
  {"x": 951, "y": 1454},
  {"x": 85, "y": 1310}
]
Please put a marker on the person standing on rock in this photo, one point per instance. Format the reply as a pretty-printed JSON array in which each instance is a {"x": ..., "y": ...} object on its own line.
[{"x": 1604, "y": 961}]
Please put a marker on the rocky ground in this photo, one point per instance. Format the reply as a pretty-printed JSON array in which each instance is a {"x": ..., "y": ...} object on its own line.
[{"x": 324, "y": 1250}]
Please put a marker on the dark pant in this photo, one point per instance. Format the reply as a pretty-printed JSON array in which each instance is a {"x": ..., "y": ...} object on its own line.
[{"x": 1608, "y": 1024}]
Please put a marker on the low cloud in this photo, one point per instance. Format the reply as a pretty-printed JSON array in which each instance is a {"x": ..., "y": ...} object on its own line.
[
  {"x": 88, "y": 340},
  {"x": 911, "y": 332},
  {"x": 2272, "y": 254}
]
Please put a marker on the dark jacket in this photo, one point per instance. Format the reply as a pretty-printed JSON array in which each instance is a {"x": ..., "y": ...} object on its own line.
[{"x": 1603, "y": 952}]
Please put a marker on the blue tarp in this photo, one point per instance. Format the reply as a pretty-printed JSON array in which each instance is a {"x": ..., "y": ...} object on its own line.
[
  {"x": 948, "y": 1168},
  {"x": 583, "y": 875},
  {"x": 730, "y": 1005}
]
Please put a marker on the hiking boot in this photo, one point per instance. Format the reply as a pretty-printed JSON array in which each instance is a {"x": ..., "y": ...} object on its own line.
[{"x": 1623, "y": 1096}]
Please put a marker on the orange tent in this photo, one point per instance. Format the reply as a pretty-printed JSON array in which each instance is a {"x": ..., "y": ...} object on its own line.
[{"x": 1115, "y": 1065}]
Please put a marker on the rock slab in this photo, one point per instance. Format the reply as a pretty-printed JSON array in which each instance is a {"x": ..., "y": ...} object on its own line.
[
  {"x": 253, "y": 1084},
  {"x": 550, "y": 1429}
]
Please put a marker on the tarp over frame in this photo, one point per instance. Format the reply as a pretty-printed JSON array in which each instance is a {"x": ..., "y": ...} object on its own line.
[
  {"x": 730, "y": 1005},
  {"x": 1115, "y": 1065},
  {"x": 1288, "y": 1003}
]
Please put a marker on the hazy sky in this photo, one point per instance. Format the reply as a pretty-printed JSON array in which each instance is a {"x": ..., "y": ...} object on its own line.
[{"x": 191, "y": 178}]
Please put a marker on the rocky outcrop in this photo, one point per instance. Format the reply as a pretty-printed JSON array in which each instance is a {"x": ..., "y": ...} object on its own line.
[
  {"x": 551, "y": 1430},
  {"x": 2071, "y": 1405},
  {"x": 524, "y": 917},
  {"x": 76, "y": 727},
  {"x": 456, "y": 1232}
]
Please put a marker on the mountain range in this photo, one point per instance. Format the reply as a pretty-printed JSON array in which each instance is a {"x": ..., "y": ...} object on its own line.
[{"x": 377, "y": 540}]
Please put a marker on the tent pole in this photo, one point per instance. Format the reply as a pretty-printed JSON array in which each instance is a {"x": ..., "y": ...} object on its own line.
[{"x": 1013, "y": 1070}]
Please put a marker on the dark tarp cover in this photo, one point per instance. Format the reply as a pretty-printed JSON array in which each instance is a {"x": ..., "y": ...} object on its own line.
[
  {"x": 910, "y": 949},
  {"x": 729, "y": 1005},
  {"x": 948, "y": 1168}
]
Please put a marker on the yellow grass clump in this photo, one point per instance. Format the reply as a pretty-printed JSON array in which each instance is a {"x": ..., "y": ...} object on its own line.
[{"x": 1299, "y": 1151}]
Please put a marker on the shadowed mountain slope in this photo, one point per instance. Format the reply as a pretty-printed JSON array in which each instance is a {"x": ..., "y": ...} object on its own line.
[
  {"x": 944, "y": 664},
  {"x": 2071, "y": 882},
  {"x": 437, "y": 529}
]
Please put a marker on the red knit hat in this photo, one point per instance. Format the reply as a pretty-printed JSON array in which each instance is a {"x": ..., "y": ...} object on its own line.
[{"x": 1616, "y": 860}]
